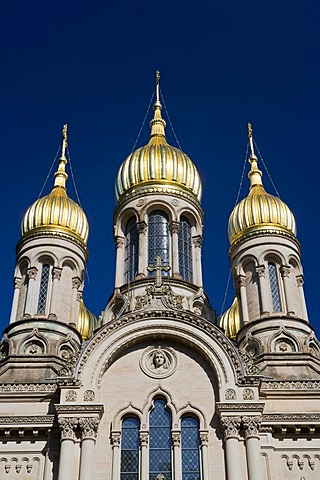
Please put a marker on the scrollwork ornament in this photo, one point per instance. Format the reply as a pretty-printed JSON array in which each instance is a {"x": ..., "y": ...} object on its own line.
[
  {"x": 89, "y": 396},
  {"x": 68, "y": 426},
  {"x": 71, "y": 396},
  {"x": 231, "y": 426},
  {"x": 89, "y": 427},
  {"x": 251, "y": 426},
  {"x": 230, "y": 394},
  {"x": 248, "y": 394}
]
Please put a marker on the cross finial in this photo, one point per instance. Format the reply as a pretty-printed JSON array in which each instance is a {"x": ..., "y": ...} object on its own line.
[
  {"x": 158, "y": 268},
  {"x": 64, "y": 140},
  {"x": 251, "y": 139},
  {"x": 157, "y": 86}
]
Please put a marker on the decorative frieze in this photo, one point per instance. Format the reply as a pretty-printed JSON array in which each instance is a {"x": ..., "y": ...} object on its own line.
[{"x": 291, "y": 385}]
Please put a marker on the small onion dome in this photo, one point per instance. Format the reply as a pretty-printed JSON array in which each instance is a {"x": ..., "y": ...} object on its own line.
[
  {"x": 230, "y": 320},
  {"x": 259, "y": 211},
  {"x": 158, "y": 166},
  {"x": 56, "y": 211},
  {"x": 87, "y": 322}
]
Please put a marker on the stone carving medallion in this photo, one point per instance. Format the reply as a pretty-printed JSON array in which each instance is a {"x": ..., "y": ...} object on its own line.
[{"x": 158, "y": 362}]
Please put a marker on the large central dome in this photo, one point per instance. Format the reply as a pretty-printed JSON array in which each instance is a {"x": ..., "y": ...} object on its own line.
[{"x": 157, "y": 166}]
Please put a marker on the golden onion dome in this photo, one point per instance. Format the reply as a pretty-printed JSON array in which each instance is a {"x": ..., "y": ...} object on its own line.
[
  {"x": 87, "y": 322},
  {"x": 157, "y": 166},
  {"x": 259, "y": 211},
  {"x": 56, "y": 211},
  {"x": 230, "y": 320}
]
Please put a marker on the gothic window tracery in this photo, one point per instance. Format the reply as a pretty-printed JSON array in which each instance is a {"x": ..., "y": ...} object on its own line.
[
  {"x": 130, "y": 449},
  {"x": 274, "y": 287},
  {"x": 158, "y": 238},
  {"x": 190, "y": 448},
  {"x": 43, "y": 290},
  {"x": 185, "y": 249},
  {"x": 131, "y": 250}
]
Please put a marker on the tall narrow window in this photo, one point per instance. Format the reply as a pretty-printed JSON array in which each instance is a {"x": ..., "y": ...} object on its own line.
[
  {"x": 131, "y": 251},
  {"x": 160, "y": 441},
  {"x": 158, "y": 238},
  {"x": 185, "y": 250},
  {"x": 274, "y": 287},
  {"x": 190, "y": 445},
  {"x": 43, "y": 291},
  {"x": 129, "y": 449}
]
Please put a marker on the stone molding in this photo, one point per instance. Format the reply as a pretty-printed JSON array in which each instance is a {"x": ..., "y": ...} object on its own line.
[
  {"x": 263, "y": 233},
  {"x": 197, "y": 241},
  {"x": 77, "y": 409},
  {"x": 25, "y": 420},
  {"x": 56, "y": 273},
  {"x": 176, "y": 439},
  {"x": 291, "y": 385},
  {"x": 53, "y": 234},
  {"x": 68, "y": 426},
  {"x": 285, "y": 270},
  {"x": 174, "y": 227},
  {"x": 76, "y": 283},
  {"x": 300, "y": 280},
  {"x": 231, "y": 427},
  {"x": 17, "y": 282},
  {"x": 27, "y": 387},
  {"x": 144, "y": 439},
  {"x": 251, "y": 426},
  {"x": 115, "y": 439},
  {"x": 32, "y": 273},
  {"x": 291, "y": 417},
  {"x": 239, "y": 407},
  {"x": 204, "y": 437},
  {"x": 119, "y": 241},
  {"x": 261, "y": 270},
  {"x": 89, "y": 427},
  {"x": 141, "y": 227}
]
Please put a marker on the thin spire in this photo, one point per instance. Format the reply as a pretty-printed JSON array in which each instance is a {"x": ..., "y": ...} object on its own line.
[
  {"x": 61, "y": 175},
  {"x": 157, "y": 124},
  {"x": 255, "y": 174}
]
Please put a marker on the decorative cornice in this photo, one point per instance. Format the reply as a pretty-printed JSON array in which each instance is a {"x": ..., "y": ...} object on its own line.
[
  {"x": 239, "y": 407},
  {"x": 27, "y": 387},
  {"x": 291, "y": 417},
  {"x": 291, "y": 385},
  {"x": 53, "y": 234},
  {"x": 264, "y": 233},
  {"x": 26, "y": 420},
  {"x": 80, "y": 409}
]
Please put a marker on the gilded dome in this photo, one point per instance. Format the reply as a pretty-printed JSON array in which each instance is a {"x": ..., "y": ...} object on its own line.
[
  {"x": 158, "y": 166},
  {"x": 259, "y": 211},
  {"x": 230, "y": 320},
  {"x": 87, "y": 322},
  {"x": 56, "y": 211}
]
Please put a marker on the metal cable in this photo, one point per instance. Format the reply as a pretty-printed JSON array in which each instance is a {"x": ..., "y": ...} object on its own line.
[
  {"x": 45, "y": 182},
  {"x": 266, "y": 169},
  {"x": 144, "y": 121},
  {"x": 167, "y": 113}
]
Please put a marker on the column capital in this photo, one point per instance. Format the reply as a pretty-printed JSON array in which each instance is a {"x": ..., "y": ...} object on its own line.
[
  {"x": 17, "y": 282},
  {"x": 174, "y": 227},
  {"x": 119, "y": 241},
  {"x": 115, "y": 439},
  {"x": 56, "y": 273},
  {"x": 241, "y": 280},
  {"x": 141, "y": 227},
  {"x": 32, "y": 273},
  {"x": 76, "y": 283},
  {"x": 68, "y": 426},
  {"x": 144, "y": 439},
  {"x": 261, "y": 270},
  {"x": 197, "y": 241},
  {"x": 300, "y": 280},
  {"x": 204, "y": 437},
  {"x": 285, "y": 270},
  {"x": 176, "y": 439},
  {"x": 251, "y": 426},
  {"x": 89, "y": 427},
  {"x": 231, "y": 426}
]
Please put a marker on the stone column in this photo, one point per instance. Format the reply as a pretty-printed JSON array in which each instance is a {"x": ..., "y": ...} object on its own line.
[
  {"x": 88, "y": 429},
  {"x": 174, "y": 229},
  {"x": 177, "y": 468},
  {"x": 242, "y": 282},
  {"x": 67, "y": 426},
  {"x": 251, "y": 426},
  {"x": 231, "y": 426},
  {"x": 300, "y": 282},
  {"x": 119, "y": 280},
  {"x": 285, "y": 273},
  {"x": 115, "y": 443},
  {"x": 75, "y": 302},
  {"x": 204, "y": 454},
  {"x": 31, "y": 301},
  {"x": 261, "y": 272},
  {"x": 56, "y": 276},
  {"x": 197, "y": 274},
  {"x": 144, "y": 440},
  {"x": 17, "y": 285},
  {"x": 142, "y": 253}
]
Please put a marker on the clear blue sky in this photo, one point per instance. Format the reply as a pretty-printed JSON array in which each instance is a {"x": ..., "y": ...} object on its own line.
[{"x": 91, "y": 64}]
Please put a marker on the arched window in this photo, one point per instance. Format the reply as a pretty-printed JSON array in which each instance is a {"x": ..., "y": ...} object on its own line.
[
  {"x": 185, "y": 250},
  {"x": 160, "y": 441},
  {"x": 129, "y": 449},
  {"x": 274, "y": 287},
  {"x": 190, "y": 445},
  {"x": 43, "y": 291},
  {"x": 131, "y": 250},
  {"x": 158, "y": 238}
]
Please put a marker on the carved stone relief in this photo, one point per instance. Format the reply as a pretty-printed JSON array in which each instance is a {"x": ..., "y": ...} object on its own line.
[
  {"x": 230, "y": 394},
  {"x": 71, "y": 396},
  {"x": 158, "y": 362},
  {"x": 34, "y": 347},
  {"x": 89, "y": 396},
  {"x": 248, "y": 394},
  {"x": 10, "y": 467}
]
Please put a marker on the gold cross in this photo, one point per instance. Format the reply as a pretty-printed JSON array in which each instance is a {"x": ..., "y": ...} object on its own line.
[{"x": 158, "y": 268}]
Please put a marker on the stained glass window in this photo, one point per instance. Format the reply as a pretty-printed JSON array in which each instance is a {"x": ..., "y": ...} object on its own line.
[
  {"x": 274, "y": 287},
  {"x": 158, "y": 238},
  {"x": 190, "y": 445},
  {"x": 130, "y": 449},
  {"x": 185, "y": 250},
  {"x": 131, "y": 251},
  {"x": 43, "y": 291},
  {"x": 160, "y": 441}
]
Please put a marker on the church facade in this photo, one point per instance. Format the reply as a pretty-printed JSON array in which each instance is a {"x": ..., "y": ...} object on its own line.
[{"x": 159, "y": 387}]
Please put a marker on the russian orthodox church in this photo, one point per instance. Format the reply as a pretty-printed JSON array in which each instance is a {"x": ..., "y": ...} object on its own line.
[{"x": 159, "y": 387}]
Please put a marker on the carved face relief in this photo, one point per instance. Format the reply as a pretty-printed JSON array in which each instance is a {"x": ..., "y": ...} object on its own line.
[{"x": 158, "y": 362}]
